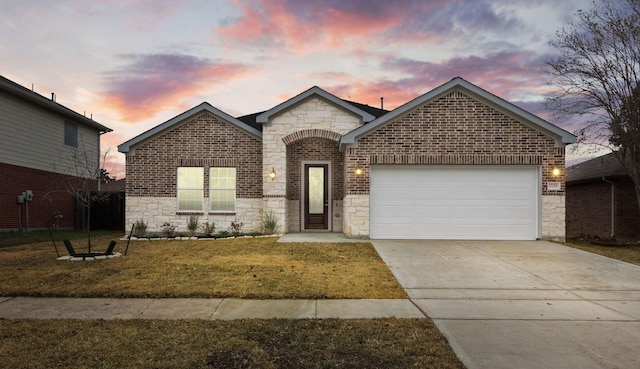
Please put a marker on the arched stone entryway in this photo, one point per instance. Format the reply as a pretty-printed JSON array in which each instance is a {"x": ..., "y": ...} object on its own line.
[{"x": 308, "y": 152}]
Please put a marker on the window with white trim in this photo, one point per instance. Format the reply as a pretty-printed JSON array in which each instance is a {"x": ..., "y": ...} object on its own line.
[
  {"x": 190, "y": 189},
  {"x": 222, "y": 189}
]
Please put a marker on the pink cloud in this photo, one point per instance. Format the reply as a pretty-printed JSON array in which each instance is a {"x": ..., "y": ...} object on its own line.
[
  {"x": 318, "y": 24},
  {"x": 150, "y": 83},
  {"x": 112, "y": 160},
  {"x": 507, "y": 74},
  {"x": 513, "y": 76}
]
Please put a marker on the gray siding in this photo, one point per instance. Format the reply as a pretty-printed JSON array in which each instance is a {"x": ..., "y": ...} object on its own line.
[{"x": 33, "y": 137}]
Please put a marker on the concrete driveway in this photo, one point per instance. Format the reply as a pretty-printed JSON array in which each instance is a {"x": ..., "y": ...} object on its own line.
[{"x": 523, "y": 304}]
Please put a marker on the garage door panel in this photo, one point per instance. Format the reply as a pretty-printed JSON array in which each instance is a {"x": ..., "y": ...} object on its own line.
[{"x": 454, "y": 202}]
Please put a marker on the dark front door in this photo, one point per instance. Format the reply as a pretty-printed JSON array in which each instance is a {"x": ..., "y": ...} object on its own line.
[{"x": 316, "y": 196}]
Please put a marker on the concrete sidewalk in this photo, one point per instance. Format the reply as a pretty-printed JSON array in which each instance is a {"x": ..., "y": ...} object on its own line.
[{"x": 194, "y": 308}]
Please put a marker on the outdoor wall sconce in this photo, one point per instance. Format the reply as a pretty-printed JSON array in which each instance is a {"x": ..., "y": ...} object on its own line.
[
  {"x": 555, "y": 172},
  {"x": 358, "y": 171},
  {"x": 272, "y": 174}
]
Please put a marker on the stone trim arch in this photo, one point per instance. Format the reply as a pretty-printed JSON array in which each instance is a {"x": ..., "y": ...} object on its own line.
[{"x": 309, "y": 133}]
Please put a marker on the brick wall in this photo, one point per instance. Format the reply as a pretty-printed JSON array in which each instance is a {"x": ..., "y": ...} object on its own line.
[
  {"x": 454, "y": 129},
  {"x": 589, "y": 210},
  {"x": 49, "y": 196},
  {"x": 203, "y": 141},
  {"x": 313, "y": 149}
]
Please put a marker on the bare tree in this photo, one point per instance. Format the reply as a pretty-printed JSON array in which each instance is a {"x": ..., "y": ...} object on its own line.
[
  {"x": 85, "y": 181},
  {"x": 597, "y": 72}
]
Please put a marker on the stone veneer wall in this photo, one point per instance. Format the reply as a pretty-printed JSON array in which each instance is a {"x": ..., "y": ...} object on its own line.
[
  {"x": 157, "y": 210},
  {"x": 201, "y": 141},
  {"x": 455, "y": 129},
  {"x": 553, "y": 218},
  {"x": 355, "y": 222},
  {"x": 314, "y": 117}
]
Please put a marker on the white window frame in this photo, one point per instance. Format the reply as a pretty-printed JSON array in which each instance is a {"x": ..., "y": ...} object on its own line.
[
  {"x": 185, "y": 188},
  {"x": 225, "y": 189}
]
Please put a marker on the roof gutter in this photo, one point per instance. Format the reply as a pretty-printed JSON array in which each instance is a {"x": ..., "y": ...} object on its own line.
[{"x": 613, "y": 206}]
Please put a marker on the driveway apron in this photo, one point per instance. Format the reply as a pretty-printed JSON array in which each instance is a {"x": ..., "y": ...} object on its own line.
[{"x": 523, "y": 304}]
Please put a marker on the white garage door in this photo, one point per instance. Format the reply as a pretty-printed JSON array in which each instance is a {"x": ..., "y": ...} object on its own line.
[{"x": 454, "y": 202}]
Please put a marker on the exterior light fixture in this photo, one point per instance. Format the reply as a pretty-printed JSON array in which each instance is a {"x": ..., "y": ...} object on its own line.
[
  {"x": 272, "y": 174},
  {"x": 358, "y": 171},
  {"x": 555, "y": 172}
]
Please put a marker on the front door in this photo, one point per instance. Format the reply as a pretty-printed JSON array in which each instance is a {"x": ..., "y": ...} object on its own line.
[{"x": 316, "y": 196}]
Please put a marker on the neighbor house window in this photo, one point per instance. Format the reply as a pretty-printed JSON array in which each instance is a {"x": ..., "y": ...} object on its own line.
[
  {"x": 222, "y": 189},
  {"x": 70, "y": 134},
  {"x": 190, "y": 189}
]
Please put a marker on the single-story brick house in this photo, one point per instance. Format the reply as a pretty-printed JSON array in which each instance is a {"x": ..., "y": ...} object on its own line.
[
  {"x": 454, "y": 163},
  {"x": 601, "y": 200}
]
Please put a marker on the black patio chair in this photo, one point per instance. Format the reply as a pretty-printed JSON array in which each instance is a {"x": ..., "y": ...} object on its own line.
[{"x": 112, "y": 245}]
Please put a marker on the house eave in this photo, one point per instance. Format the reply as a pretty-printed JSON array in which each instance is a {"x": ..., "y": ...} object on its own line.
[
  {"x": 49, "y": 104},
  {"x": 205, "y": 106}
]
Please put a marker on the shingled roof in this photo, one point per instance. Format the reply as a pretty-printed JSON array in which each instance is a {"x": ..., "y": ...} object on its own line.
[{"x": 607, "y": 166}]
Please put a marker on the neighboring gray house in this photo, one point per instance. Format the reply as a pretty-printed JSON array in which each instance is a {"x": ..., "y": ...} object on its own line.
[
  {"x": 454, "y": 163},
  {"x": 38, "y": 141}
]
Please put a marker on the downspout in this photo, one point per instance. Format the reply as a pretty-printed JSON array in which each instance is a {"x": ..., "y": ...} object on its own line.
[{"x": 613, "y": 207}]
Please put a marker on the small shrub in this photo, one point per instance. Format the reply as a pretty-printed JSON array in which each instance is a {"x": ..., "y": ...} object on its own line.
[
  {"x": 269, "y": 223},
  {"x": 224, "y": 234},
  {"x": 168, "y": 229},
  {"x": 208, "y": 229},
  {"x": 192, "y": 224},
  {"x": 139, "y": 228},
  {"x": 236, "y": 228}
]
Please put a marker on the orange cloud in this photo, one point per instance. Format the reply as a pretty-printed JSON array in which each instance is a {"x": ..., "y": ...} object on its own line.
[
  {"x": 151, "y": 83},
  {"x": 303, "y": 27}
]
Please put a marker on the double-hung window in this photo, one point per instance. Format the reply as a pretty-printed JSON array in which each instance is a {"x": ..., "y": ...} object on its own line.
[
  {"x": 190, "y": 189},
  {"x": 222, "y": 189}
]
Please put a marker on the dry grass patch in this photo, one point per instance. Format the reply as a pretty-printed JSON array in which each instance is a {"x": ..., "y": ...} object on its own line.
[
  {"x": 629, "y": 253},
  {"x": 243, "y": 268},
  {"x": 362, "y": 343}
]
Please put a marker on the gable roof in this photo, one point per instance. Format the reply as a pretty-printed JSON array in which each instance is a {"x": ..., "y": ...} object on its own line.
[
  {"x": 315, "y": 91},
  {"x": 205, "y": 106},
  {"x": 48, "y": 104},
  {"x": 595, "y": 169},
  {"x": 561, "y": 136}
]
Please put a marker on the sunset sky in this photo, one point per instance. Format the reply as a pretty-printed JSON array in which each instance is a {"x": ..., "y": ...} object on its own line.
[{"x": 137, "y": 63}]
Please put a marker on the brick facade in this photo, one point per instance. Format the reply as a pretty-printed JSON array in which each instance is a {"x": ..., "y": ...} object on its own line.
[
  {"x": 589, "y": 210},
  {"x": 49, "y": 196},
  {"x": 457, "y": 129},
  {"x": 313, "y": 149},
  {"x": 202, "y": 141},
  {"x": 452, "y": 129}
]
